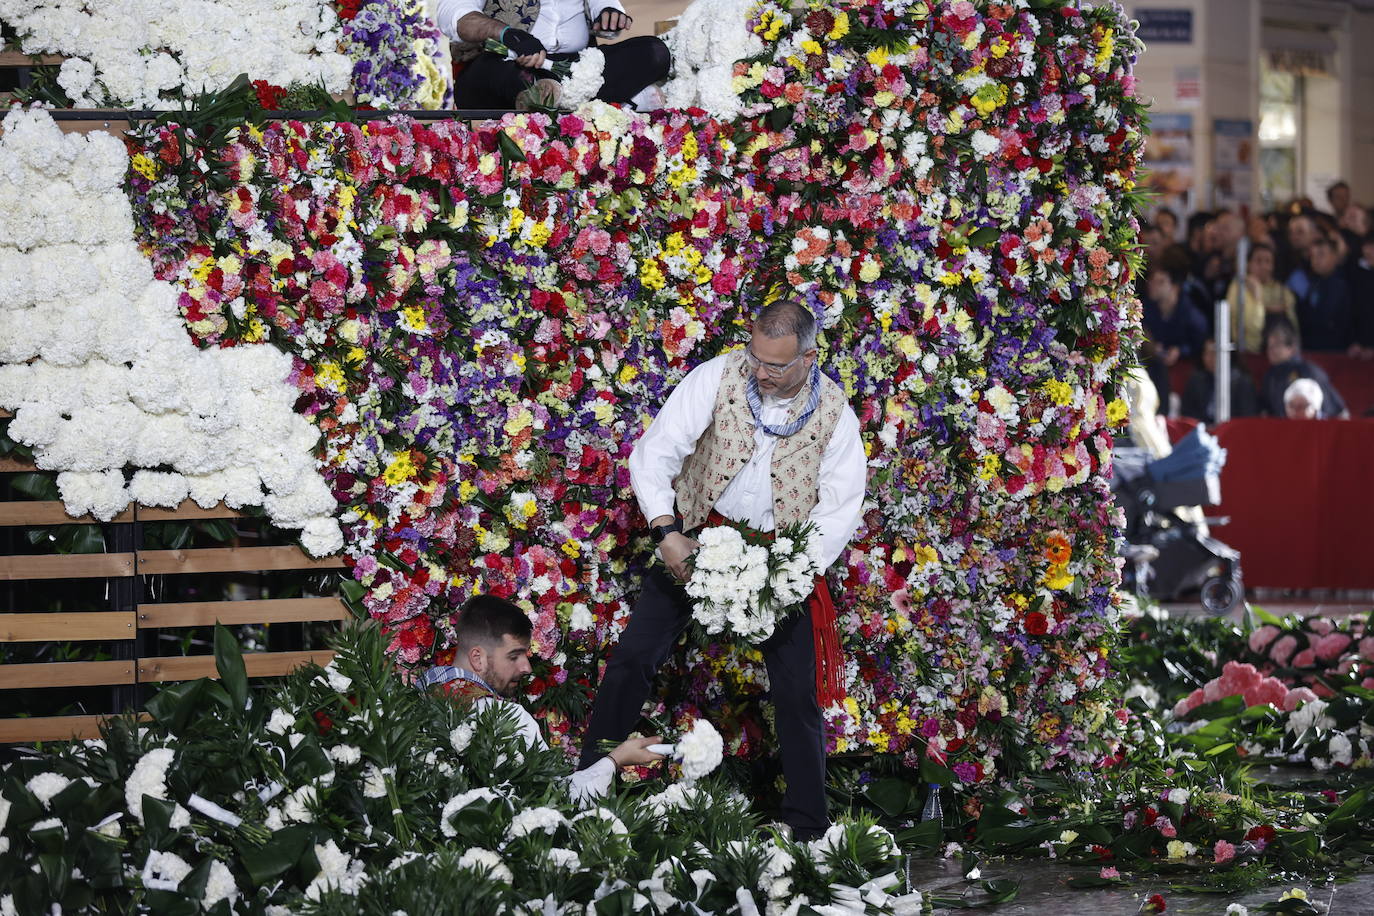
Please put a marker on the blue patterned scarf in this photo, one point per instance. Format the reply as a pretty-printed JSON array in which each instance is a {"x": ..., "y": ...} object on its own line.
[{"x": 813, "y": 400}]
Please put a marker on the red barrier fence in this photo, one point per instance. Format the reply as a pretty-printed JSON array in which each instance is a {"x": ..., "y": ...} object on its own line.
[
  {"x": 1300, "y": 494},
  {"x": 1353, "y": 378}
]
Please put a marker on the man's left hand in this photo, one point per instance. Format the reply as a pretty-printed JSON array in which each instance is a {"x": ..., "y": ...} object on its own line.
[{"x": 611, "y": 20}]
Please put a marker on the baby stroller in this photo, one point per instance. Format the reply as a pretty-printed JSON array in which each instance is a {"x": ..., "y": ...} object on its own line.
[{"x": 1169, "y": 556}]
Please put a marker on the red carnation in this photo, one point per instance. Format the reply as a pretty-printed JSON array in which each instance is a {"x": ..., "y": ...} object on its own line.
[
  {"x": 269, "y": 96},
  {"x": 1037, "y": 624}
]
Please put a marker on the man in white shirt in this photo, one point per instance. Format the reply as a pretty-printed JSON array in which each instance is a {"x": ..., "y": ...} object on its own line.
[
  {"x": 491, "y": 659},
  {"x": 757, "y": 436},
  {"x": 537, "y": 31}
]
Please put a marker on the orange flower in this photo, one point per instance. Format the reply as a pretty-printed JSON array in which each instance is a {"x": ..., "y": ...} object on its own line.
[{"x": 1057, "y": 549}]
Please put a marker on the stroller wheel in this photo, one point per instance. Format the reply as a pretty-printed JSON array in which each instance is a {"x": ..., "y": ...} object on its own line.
[{"x": 1220, "y": 594}]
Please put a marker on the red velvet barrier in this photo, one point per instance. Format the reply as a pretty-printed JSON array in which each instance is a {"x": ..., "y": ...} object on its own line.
[{"x": 1300, "y": 494}]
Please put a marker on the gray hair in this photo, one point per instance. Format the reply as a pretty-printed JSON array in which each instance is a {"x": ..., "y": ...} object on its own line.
[
  {"x": 1308, "y": 390},
  {"x": 788, "y": 318}
]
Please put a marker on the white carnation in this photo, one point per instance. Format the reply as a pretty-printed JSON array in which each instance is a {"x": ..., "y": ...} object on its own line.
[
  {"x": 220, "y": 886},
  {"x": 700, "y": 750},
  {"x": 535, "y": 819},
  {"x": 45, "y": 785},
  {"x": 484, "y": 860},
  {"x": 148, "y": 778}
]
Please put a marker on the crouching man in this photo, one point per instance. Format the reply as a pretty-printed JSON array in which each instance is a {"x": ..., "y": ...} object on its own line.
[{"x": 491, "y": 659}]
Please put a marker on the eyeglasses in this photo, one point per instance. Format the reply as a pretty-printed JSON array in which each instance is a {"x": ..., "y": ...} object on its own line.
[{"x": 773, "y": 369}]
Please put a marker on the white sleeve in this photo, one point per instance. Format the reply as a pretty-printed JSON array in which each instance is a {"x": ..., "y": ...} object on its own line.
[
  {"x": 448, "y": 12},
  {"x": 593, "y": 782},
  {"x": 596, "y": 6},
  {"x": 658, "y": 455},
  {"x": 527, "y": 727},
  {"x": 844, "y": 476}
]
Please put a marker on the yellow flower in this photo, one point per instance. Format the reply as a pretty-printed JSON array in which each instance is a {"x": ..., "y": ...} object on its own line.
[
  {"x": 991, "y": 465},
  {"x": 1117, "y": 411},
  {"x": 431, "y": 92},
  {"x": 1177, "y": 849},
  {"x": 523, "y": 419},
  {"x": 538, "y": 235},
  {"x": 413, "y": 319},
  {"x": 650, "y": 275},
  {"x": 1057, "y": 578},
  {"x": 925, "y": 555},
  {"x": 877, "y": 57},
  {"x": 330, "y": 375},
  {"x": 571, "y": 549},
  {"x": 841, "y": 27},
  {"x": 627, "y": 374},
  {"x": 811, "y": 46},
  {"x": 870, "y": 271},
  {"x": 399, "y": 470},
  {"x": 145, "y": 166},
  {"x": 466, "y": 490},
  {"x": 256, "y": 331},
  {"x": 1059, "y": 392}
]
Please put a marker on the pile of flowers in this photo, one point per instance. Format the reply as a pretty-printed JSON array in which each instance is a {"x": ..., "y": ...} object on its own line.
[
  {"x": 481, "y": 320},
  {"x": 346, "y": 791},
  {"x": 145, "y": 54},
  {"x": 105, "y": 385},
  {"x": 1239, "y": 679},
  {"x": 744, "y": 587}
]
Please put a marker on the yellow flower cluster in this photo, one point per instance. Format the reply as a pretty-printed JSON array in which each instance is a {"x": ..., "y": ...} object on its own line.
[{"x": 400, "y": 469}]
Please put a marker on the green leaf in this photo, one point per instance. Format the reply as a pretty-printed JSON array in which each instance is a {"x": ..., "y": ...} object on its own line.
[
  {"x": 988, "y": 235},
  {"x": 229, "y": 664},
  {"x": 934, "y": 772},
  {"x": 895, "y": 797},
  {"x": 1349, "y": 808},
  {"x": 278, "y": 855},
  {"x": 36, "y": 486},
  {"x": 173, "y": 706},
  {"x": 781, "y": 117},
  {"x": 926, "y": 835},
  {"x": 509, "y": 148}
]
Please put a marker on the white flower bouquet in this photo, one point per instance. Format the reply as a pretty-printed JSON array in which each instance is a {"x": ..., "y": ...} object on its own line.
[{"x": 743, "y": 584}]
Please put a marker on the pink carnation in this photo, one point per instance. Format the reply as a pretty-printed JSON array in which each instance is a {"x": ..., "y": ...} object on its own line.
[
  {"x": 1367, "y": 648},
  {"x": 1304, "y": 659},
  {"x": 1263, "y": 637},
  {"x": 1270, "y": 690},
  {"x": 1296, "y": 697},
  {"x": 1320, "y": 625},
  {"x": 1110, "y": 872},
  {"x": 1282, "y": 649},
  {"x": 1223, "y": 851},
  {"x": 1329, "y": 647}
]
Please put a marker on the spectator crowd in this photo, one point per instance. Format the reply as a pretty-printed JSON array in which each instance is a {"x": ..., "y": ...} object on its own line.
[{"x": 1307, "y": 287}]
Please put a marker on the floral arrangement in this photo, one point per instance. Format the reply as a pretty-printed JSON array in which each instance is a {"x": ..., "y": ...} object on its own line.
[
  {"x": 400, "y": 58},
  {"x": 1242, "y": 680},
  {"x": 346, "y": 791},
  {"x": 105, "y": 385},
  {"x": 481, "y": 319},
  {"x": 387, "y": 53},
  {"x": 743, "y": 587},
  {"x": 147, "y": 54}
]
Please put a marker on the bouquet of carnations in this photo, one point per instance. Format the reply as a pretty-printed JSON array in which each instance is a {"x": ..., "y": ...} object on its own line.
[{"x": 744, "y": 583}]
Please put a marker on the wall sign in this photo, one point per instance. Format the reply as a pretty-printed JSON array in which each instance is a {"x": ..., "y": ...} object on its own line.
[{"x": 1164, "y": 26}]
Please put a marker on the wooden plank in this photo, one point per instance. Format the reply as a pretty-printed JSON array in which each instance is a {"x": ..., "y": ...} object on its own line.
[
  {"x": 66, "y": 674},
  {"x": 49, "y": 728},
  {"x": 20, "y": 59},
  {"x": 208, "y": 613},
  {"x": 187, "y": 511},
  {"x": 259, "y": 664},
  {"x": 16, "y": 464},
  {"x": 67, "y": 566},
  {"x": 49, "y": 512},
  {"x": 114, "y": 126},
  {"x": 54, "y": 728},
  {"x": 230, "y": 559},
  {"x": 61, "y": 626}
]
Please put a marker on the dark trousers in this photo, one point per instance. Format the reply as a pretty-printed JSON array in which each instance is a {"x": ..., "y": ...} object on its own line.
[
  {"x": 492, "y": 82},
  {"x": 659, "y": 616}
]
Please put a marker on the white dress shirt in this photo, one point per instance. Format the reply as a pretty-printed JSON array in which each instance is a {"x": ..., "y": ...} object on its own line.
[
  {"x": 593, "y": 782},
  {"x": 561, "y": 26},
  {"x": 658, "y": 456}
]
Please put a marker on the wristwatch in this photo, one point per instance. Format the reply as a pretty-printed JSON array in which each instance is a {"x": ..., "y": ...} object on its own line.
[{"x": 659, "y": 532}]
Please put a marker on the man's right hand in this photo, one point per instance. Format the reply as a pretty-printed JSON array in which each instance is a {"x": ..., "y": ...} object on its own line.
[
  {"x": 528, "y": 50},
  {"x": 675, "y": 549},
  {"x": 635, "y": 752}
]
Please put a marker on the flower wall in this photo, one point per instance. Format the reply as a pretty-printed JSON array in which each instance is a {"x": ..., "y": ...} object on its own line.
[{"x": 483, "y": 319}]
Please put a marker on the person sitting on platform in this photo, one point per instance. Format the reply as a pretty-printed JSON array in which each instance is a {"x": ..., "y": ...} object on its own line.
[
  {"x": 536, "y": 32},
  {"x": 1286, "y": 366},
  {"x": 1302, "y": 400},
  {"x": 491, "y": 659}
]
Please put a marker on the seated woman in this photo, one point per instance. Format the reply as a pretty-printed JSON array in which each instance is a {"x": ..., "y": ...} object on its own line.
[{"x": 536, "y": 32}]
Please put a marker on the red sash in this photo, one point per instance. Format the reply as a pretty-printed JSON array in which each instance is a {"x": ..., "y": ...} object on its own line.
[{"x": 824, "y": 631}]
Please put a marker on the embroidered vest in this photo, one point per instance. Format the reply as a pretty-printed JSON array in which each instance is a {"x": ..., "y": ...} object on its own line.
[
  {"x": 521, "y": 14},
  {"x": 728, "y": 443},
  {"x": 463, "y": 691}
]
